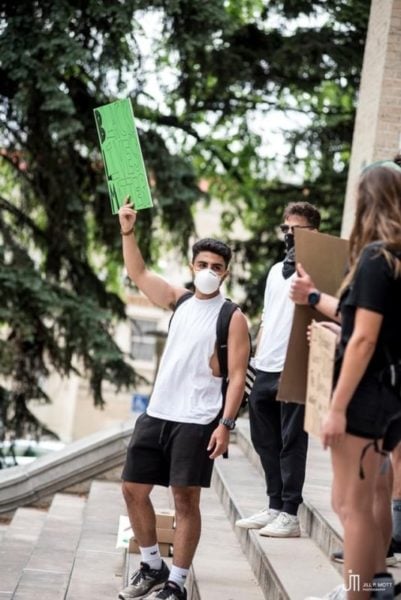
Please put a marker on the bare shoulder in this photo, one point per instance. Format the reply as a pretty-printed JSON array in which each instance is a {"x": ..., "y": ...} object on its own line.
[{"x": 238, "y": 323}]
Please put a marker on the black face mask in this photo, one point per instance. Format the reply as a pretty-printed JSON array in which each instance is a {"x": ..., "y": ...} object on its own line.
[
  {"x": 289, "y": 241},
  {"x": 289, "y": 261}
]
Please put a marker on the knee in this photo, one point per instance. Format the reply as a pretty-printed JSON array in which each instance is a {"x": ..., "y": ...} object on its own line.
[
  {"x": 185, "y": 503},
  {"x": 127, "y": 491},
  {"x": 131, "y": 492}
]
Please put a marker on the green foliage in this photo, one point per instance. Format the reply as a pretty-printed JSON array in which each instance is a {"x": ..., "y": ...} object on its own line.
[{"x": 201, "y": 86}]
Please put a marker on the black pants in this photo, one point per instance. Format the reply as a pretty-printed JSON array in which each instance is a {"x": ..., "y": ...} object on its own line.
[{"x": 279, "y": 438}]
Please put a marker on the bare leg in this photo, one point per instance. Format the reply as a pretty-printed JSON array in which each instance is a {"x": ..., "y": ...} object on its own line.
[
  {"x": 396, "y": 458},
  {"x": 353, "y": 500},
  {"x": 382, "y": 505},
  {"x": 188, "y": 524},
  {"x": 140, "y": 511}
]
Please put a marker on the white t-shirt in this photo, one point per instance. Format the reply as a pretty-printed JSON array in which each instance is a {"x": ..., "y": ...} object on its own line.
[
  {"x": 278, "y": 312},
  {"x": 186, "y": 389}
]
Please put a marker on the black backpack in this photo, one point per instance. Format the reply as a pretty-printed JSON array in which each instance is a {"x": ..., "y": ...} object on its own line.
[{"x": 222, "y": 327}]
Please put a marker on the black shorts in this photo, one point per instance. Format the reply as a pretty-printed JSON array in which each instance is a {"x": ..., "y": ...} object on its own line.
[
  {"x": 169, "y": 453},
  {"x": 375, "y": 413}
]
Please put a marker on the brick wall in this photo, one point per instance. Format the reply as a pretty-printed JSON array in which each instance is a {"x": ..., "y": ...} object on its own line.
[{"x": 377, "y": 132}]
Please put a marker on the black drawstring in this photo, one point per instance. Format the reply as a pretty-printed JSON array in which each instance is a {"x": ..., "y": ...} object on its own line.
[{"x": 364, "y": 450}]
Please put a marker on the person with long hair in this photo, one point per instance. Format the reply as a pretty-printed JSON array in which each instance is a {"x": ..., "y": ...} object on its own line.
[{"x": 364, "y": 419}]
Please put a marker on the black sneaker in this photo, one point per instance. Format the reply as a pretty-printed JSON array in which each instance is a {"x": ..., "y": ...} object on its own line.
[
  {"x": 144, "y": 581},
  {"x": 170, "y": 591},
  {"x": 391, "y": 560}
]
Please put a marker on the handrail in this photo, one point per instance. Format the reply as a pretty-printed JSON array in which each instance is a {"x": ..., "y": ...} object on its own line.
[{"x": 78, "y": 461}]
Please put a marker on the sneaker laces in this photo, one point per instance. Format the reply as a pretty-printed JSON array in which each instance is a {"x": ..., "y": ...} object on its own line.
[
  {"x": 283, "y": 519},
  {"x": 142, "y": 574}
]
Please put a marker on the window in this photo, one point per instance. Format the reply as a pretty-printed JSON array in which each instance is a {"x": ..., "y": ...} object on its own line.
[{"x": 143, "y": 341}]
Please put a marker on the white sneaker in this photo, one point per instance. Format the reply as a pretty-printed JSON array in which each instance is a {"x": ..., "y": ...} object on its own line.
[
  {"x": 259, "y": 520},
  {"x": 338, "y": 593},
  {"x": 283, "y": 526}
]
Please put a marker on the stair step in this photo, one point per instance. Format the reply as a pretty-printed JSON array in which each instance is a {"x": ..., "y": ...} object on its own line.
[
  {"x": 221, "y": 570},
  {"x": 17, "y": 544},
  {"x": 46, "y": 575},
  {"x": 98, "y": 563},
  {"x": 316, "y": 515},
  {"x": 286, "y": 569}
]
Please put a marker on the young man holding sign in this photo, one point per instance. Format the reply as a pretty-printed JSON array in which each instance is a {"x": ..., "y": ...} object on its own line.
[
  {"x": 277, "y": 427},
  {"x": 185, "y": 426}
]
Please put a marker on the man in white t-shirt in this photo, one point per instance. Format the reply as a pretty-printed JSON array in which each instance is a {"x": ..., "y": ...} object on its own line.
[
  {"x": 277, "y": 427},
  {"x": 185, "y": 426}
]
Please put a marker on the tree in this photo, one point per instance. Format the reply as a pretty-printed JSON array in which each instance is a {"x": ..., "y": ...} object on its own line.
[{"x": 213, "y": 64}]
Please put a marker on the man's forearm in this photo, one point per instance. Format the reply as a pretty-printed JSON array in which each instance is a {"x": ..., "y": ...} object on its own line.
[
  {"x": 133, "y": 259},
  {"x": 234, "y": 395}
]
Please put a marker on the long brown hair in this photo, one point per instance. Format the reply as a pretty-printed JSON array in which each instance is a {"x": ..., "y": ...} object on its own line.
[{"x": 378, "y": 216}]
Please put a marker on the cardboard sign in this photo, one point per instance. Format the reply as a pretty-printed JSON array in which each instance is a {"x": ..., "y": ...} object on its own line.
[
  {"x": 324, "y": 257},
  {"x": 122, "y": 156},
  {"x": 320, "y": 377}
]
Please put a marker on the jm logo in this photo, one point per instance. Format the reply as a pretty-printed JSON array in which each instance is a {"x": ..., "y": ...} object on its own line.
[{"x": 354, "y": 582}]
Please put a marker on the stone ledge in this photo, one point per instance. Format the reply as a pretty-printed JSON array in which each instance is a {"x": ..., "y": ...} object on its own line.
[{"x": 77, "y": 462}]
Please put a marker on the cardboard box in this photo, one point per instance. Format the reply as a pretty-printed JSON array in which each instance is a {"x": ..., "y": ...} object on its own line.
[
  {"x": 165, "y": 536},
  {"x": 165, "y": 549},
  {"x": 165, "y": 518}
]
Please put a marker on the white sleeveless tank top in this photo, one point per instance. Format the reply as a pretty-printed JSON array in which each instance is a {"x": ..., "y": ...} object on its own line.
[{"x": 186, "y": 389}]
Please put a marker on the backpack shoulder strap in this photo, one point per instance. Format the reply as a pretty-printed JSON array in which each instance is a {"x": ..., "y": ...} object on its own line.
[
  {"x": 180, "y": 301},
  {"x": 222, "y": 326}
]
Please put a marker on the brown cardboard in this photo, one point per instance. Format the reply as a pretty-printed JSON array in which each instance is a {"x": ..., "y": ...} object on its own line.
[
  {"x": 324, "y": 257},
  {"x": 165, "y": 536},
  {"x": 320, "y": 377},
  {"x": 165, "y": 549},
  {"x": 165, "y": 518}
]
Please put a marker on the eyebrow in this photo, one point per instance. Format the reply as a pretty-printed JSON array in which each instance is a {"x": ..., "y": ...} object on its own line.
[{"x": 204, "y": 262}]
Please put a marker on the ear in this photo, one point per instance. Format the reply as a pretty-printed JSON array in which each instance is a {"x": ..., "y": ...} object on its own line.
[{"x": 226, "y": 274}]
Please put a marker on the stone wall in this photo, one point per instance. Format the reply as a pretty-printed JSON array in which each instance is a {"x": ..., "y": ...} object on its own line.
[{"x": 377, "y": 132}]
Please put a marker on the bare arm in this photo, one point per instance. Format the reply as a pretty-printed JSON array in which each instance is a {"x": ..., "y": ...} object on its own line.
[
  {"x": 158, "y": 290},
  {"x": 358, "y": 353},
  {"x": 238, "y": 354},
  {"x": 303, "y": 285}
]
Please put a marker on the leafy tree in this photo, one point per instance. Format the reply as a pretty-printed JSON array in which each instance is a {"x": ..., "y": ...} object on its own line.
[{"x": 198, "y": 75}]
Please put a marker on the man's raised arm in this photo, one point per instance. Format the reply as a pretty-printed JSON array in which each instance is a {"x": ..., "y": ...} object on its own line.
[{"x": 158, "y": 290}]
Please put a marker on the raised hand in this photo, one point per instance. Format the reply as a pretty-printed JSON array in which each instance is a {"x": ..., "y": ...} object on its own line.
[{"x": 127, "y": 217}]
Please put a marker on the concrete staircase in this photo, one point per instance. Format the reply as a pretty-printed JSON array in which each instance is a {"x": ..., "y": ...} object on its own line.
[{"x": 69, "y": 553}]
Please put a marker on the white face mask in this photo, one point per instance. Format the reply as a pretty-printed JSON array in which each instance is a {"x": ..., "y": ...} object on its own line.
[{"x": 206, "y": 281}]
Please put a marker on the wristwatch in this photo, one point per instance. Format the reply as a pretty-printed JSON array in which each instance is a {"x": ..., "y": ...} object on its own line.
[
  {"x": 314, "y": 297},
  {"x": 229, "y": 423}
]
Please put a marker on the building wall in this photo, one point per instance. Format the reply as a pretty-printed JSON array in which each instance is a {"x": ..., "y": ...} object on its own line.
[{"x": 377, "y": 132}]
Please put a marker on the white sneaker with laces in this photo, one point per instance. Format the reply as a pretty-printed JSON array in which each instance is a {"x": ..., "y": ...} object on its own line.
[
  {"x": 258, "y": 520},
  {"x": 338, "y": 593},
  {"x": 283, "y": 526}
]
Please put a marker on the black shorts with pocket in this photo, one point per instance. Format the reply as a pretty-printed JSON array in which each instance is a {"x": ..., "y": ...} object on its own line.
[
  {"x": 167, "y": 453},
  {"x": 375, "y": 413}
]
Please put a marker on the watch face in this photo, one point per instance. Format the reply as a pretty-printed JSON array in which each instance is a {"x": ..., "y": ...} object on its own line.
[{"x": 313, "y": 298}]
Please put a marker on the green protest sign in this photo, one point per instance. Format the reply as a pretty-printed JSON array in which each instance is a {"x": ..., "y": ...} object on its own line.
[{"x": 122, "y": 156}]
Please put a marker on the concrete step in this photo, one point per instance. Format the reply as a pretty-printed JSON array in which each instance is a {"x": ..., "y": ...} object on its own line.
[
  {"x": 316, "y": 515},
  {"x": 17, "y": 544},
  {"x": 286, "y": 569},
  {"x": 318, "y": 519},
  {"x": 98, "y": 565},
  {"x": 221, "y": 570},
  {"x": 46, "y": 574}
]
